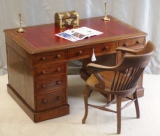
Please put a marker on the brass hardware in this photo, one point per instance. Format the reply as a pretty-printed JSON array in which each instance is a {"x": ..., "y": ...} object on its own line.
[
  {"x": 105, "y": 18},
  {"x": 67, "y": 19},
  {"x": 58, "y": 69},
  {"x": 20, "y": 30}
]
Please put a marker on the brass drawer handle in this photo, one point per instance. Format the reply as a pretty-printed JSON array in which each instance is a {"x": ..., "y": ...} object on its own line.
[
  {"x": 43, "y": 86},
  {"x": 58, "y": 69},
  {"x": 43, "y": 58},
  {"x": 58, "y": 82},
  {"x": 44, "y": 101},
  {"x": 58, "y": 56},
  {"x": 43, "y": 72},
  {"x": 80, "y": 53},
  {"x": 125, "y": 44},
  {"x": 59, "y": 98}
]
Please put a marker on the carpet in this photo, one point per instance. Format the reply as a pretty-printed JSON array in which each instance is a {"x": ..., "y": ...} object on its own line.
[{"x": 15, "y": 122}]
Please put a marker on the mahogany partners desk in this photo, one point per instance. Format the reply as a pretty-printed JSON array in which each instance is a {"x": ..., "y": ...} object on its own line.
[{"x": 37, "y": 62}]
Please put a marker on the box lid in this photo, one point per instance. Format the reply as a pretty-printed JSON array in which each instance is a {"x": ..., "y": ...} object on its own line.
[{"x": 66, "y": 15}]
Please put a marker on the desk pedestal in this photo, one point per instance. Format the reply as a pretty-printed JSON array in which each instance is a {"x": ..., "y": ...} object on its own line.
[{"x": 38, "y": 116}]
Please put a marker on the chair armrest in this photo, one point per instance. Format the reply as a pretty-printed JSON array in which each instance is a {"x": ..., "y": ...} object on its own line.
[
  {"x": 101, "y": 67},
  {"x": 126, "y": 50},
  {"x": 97, "y": 69}
]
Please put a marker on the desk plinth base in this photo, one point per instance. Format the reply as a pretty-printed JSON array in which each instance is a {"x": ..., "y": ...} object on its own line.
[{"x": 40, "y": 116}]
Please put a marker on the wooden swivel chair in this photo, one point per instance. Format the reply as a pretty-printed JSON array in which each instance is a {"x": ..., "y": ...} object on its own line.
[{"x": 124, "y": 81}]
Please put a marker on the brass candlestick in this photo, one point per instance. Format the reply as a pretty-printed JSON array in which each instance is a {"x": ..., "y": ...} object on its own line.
[
  {"x": 20, "y": 30},
  {"x": 105, "y": 17}
]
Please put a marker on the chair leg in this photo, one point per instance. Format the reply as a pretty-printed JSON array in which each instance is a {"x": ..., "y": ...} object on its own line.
[
  {"x": 85, "y": 103},
  {"x": 89, "y": 94},
  {"x": 136, "y": 104},
  {"x": 118, "y": 115}
]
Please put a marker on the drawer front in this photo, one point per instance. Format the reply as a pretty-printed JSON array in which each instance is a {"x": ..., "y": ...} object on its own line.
[
  {"x": 105, "y": 48},
  {"x": 135, "y": 43},
  {"x": 80, "y": 52},
  {"x": 84, "y": 52},
  {"x": 50, "y": 100},
  {"x": 42, "y": 72},
  {"x": 49, "y": 58},
  {"x": 50, "y": 84}
]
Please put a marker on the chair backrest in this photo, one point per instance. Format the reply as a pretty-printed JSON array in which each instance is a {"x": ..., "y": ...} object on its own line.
[{"x": 128, "y": 72}]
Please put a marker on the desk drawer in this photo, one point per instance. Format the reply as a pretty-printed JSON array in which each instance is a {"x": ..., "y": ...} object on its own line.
[
  {"x": 105, "y": 48},
  {"x": 42, "y": 72},
  {"x": 50, "y": 84},
  {"x": 134, "y": 43},
  {"x": 83, "y": 52},
  {"x": 80, "y": 52},
  {"x": 49, "y": 58},
  {"x": 50, "y": 100}
]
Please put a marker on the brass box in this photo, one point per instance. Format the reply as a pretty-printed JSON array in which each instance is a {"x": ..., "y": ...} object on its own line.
[{"x": 67, "y": 19}]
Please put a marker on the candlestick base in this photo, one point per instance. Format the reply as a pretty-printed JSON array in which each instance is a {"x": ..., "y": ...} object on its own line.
[
  {"x": 106, "y": 18},
  {"x": 20, "y": 30}
]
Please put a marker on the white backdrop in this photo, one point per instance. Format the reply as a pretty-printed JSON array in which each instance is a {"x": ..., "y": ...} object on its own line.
[{"x": 143, "y": 14}]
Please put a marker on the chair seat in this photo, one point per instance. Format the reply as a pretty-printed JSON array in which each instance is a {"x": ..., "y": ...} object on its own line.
[{"x": 108, "y": 78}]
